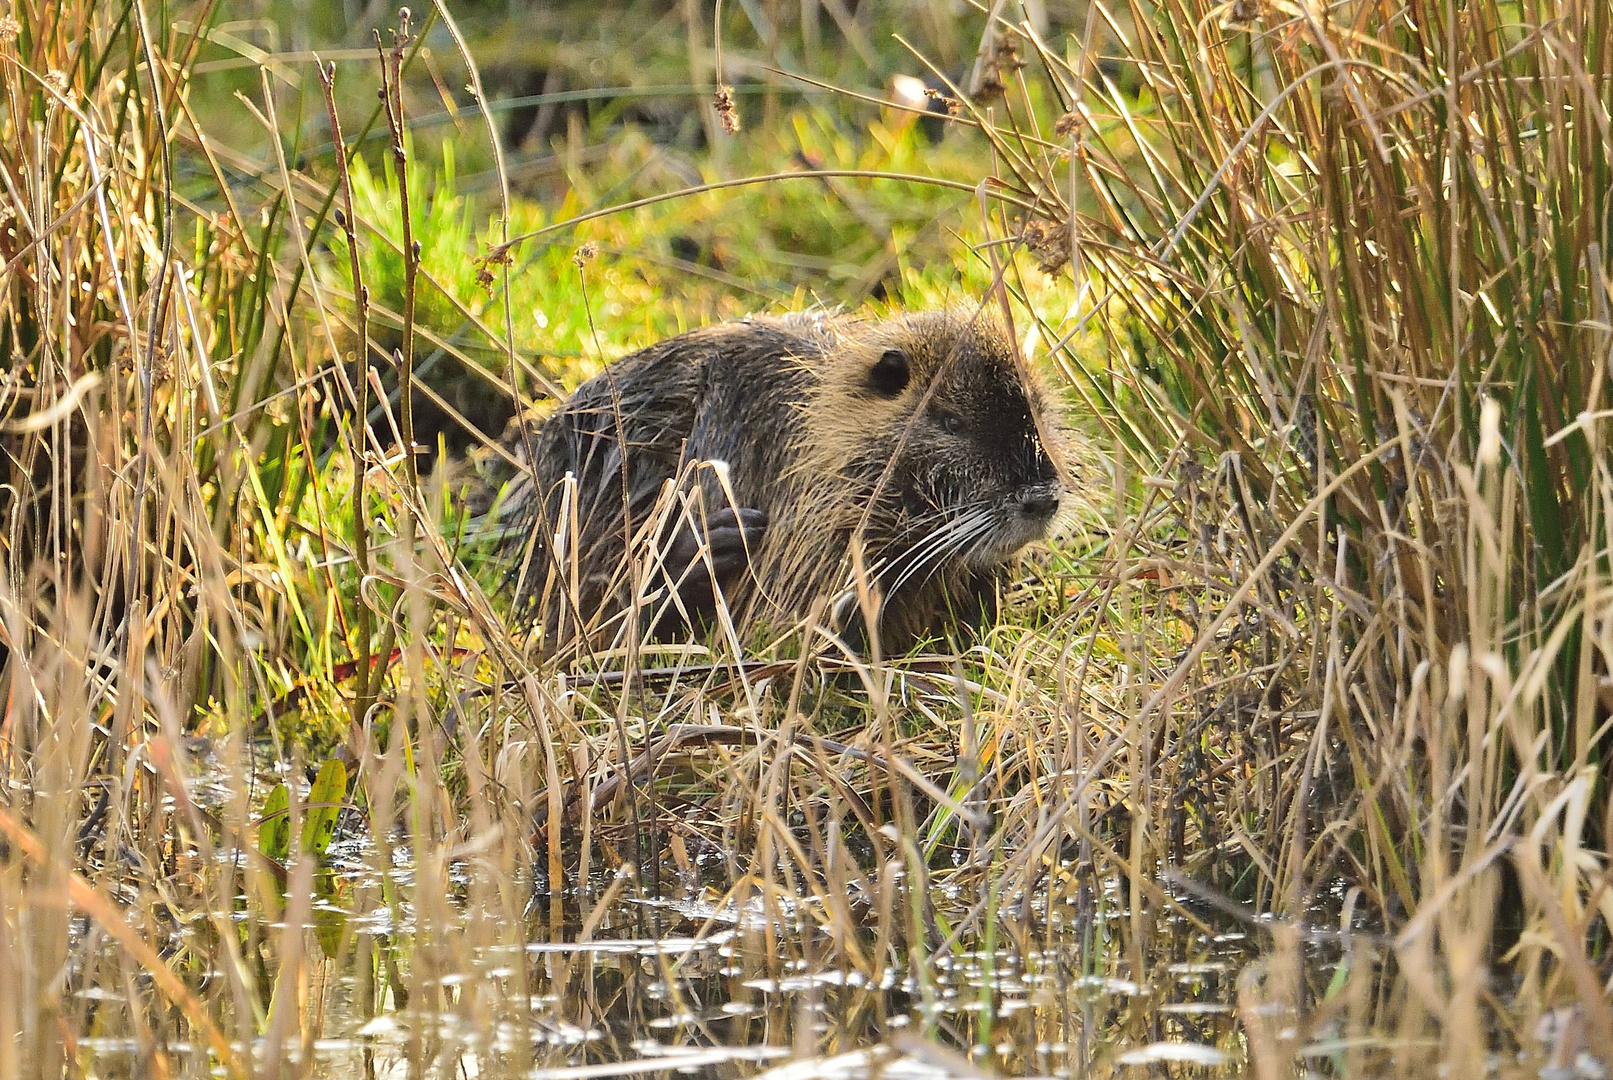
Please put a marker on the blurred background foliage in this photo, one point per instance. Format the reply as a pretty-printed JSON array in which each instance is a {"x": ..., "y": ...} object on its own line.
[{"x": 597, "y": 108}]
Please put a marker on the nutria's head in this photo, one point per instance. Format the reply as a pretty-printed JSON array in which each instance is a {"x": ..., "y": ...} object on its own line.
[{"x": 942, "y": 420}]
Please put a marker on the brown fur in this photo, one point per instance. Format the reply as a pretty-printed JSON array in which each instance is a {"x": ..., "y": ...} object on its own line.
[{"x": 929, "y": 468}]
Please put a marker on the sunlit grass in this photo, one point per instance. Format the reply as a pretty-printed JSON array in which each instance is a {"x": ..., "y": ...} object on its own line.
[{"x": 1323, "y": 658}]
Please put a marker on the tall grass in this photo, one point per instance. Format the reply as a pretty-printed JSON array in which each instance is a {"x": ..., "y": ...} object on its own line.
[
  {"x": 1331, "y": 290},
  {"x": 1351, "y": 268}
]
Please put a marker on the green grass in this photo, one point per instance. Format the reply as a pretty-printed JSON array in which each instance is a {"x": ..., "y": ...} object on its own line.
[{"x": 1327, "y": 646}]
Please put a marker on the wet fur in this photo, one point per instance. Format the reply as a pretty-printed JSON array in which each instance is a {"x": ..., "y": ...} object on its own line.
[{"x": 926, "y": 467}]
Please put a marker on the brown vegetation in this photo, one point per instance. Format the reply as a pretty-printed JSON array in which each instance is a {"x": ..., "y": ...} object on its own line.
[{"x": 1332, "y": 651}]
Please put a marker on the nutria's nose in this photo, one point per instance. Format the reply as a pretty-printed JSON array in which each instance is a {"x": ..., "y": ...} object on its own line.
[{"x": 1038, "y": 500}]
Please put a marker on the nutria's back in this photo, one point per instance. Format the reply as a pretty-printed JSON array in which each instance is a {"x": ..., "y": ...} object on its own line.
[{"x": 760, "y": 460}]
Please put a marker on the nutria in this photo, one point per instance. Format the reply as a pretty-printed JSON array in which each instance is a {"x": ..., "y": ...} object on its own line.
[{"x": 800, "y": 448}]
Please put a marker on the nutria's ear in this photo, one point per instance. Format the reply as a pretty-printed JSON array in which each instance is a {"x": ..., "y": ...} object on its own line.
[{"x": 890, "y": 374}]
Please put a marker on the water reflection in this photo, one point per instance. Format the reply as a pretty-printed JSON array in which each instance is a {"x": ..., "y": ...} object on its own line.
[
  {"x": 408, "y": 974},
  {"x": 697, "y": 985}
]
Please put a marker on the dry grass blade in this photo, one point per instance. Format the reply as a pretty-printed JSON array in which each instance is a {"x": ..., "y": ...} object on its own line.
[
  {"x": 84, "y": 896},
  {"x": 1293, "y": 751}
]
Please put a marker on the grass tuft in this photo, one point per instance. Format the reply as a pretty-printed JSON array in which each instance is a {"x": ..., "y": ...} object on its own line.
[{"x": 1304, "y": 722}]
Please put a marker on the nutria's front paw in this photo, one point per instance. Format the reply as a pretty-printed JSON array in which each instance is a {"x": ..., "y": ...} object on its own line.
[
  {"x": 729, "y": 535},
  {"x": 732, "y": 535},
  {"x": 728, "y": 539}
]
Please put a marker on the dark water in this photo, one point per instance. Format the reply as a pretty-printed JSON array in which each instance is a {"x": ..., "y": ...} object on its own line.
[
  {"x": 693, "y": 985},
  {"x": 417, "y": 972}
]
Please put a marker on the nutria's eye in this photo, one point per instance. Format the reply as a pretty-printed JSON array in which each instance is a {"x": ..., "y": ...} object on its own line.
[
  {"x": 890, "y": 374},
  {"x": 953, "y": 424}
]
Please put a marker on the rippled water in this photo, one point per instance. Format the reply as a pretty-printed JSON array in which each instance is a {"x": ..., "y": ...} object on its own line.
[
  {"x": 689, "y": 985},
  {"x": 407, "y": 974}
]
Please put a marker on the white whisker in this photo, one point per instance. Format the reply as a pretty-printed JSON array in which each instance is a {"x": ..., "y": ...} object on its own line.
[{"x": 962, "y": 533}]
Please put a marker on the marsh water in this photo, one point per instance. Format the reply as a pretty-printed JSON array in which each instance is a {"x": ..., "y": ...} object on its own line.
[
  {"x": 408, "y": 974},
  {"x": 690, "y": 984}
]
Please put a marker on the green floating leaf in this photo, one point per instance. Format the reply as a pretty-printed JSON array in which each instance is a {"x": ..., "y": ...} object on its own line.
[
  {"x": 330, "y": 920},
  {"x": 324, "y": 803},
  {"x": 274, "y": 834}
]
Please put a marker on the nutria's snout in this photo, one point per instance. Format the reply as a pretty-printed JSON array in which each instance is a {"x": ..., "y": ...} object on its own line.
[
  {"x": 1040, "y": 501},
  {"x": 1024, "y": 516}
]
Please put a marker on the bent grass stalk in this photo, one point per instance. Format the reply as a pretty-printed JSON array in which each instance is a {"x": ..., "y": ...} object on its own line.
[{"x": 1344, "y": 630}]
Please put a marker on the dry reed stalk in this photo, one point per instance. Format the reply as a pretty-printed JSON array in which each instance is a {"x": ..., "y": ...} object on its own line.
[{"x": 1349, "y": 624}]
